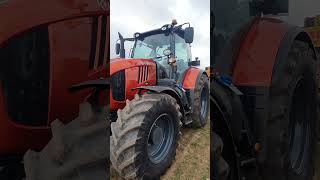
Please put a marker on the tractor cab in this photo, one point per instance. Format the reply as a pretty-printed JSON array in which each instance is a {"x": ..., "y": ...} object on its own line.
[{"x": 168, "y": 46}]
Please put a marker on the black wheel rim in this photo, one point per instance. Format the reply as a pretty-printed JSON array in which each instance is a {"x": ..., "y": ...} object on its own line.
[
  {"x": 204, "y": 102},
  {"x": 300, "y": 129},
  {"x": 160, "y": 138}
]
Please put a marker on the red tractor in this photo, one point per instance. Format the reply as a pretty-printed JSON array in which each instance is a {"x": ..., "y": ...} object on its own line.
[
  {"x": 263, "y": 93},
  {"x": 153, "y": 93},
  {"x": 49, "y": 51}
]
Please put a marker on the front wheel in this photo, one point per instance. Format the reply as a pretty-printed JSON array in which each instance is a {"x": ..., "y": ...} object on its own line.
[{"x": 145, "y": 136}]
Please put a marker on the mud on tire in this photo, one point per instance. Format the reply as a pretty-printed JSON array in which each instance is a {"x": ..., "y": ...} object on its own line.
[
  {"x": 130, "y": 142},
  {"x": 201, "y": 103},
  {"x": 290, "y": 131},
  {"x": 77, "y": 150}
]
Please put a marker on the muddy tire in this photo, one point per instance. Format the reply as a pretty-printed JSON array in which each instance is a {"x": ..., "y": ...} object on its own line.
[
  {"x": 77, "y": 150},
  {"x": 201, "y": 103},
  {"x": 221, "y": 169},
  {"x": 137, "y": 132},
  {"x": 290, "y": 131}
]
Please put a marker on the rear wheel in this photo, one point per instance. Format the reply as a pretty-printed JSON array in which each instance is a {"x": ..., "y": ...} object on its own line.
[
  {"x": 290, "y": 135},
  {"x": 201, "y": 103},
  {"x": 145, "y": 136}
]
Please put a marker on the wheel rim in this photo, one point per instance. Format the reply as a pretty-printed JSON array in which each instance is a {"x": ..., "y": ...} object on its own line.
[
  {"x": 204, "y": 102},
  {"x": 299, "y": 129},
  {"x": 160, "y": 138}
]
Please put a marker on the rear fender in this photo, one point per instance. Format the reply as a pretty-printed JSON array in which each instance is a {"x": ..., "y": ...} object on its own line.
[
  {"x": 267, "y": 43},
  {"x": 190, "y": 80},
  {"x": 191, "y": 77}
]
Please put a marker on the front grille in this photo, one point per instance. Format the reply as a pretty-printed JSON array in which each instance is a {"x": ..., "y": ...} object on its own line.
[
  {"x": 118, "y": 86},
  {"x": 143, "y": 74}
]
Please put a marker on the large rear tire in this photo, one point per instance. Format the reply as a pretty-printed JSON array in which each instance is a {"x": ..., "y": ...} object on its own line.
[
  {"x": 145, "y": 136},
  {"x": 290, "y": 131},
  {"x": 201, "y": 103}
]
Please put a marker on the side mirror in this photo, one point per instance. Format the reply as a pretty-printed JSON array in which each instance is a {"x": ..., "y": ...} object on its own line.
[
  {"x": 196, "y": 62},
  {"x": 117, "y": 48},
  {"x": 188, "y": 34}
]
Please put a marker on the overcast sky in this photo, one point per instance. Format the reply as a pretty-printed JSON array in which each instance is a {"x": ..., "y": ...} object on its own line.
[
  {"x": 299, "y": 9},
  {"x": 130, "y": 16}
]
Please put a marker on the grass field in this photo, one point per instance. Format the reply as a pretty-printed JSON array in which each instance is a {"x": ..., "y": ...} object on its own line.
[{"x": 192, "y": 159}]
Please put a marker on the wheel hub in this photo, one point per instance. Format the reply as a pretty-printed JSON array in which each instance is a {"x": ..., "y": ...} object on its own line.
[
  {"x": 160, "y": 138},
  {"x": 157, "y": 135}
]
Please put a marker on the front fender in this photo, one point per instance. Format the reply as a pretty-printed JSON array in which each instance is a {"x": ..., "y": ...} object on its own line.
[
  {"x": 176, "y": 93},
  {"x": 191, "y": 77}
]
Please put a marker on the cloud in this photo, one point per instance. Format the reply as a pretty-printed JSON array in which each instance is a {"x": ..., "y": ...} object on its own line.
[{"x": 129, "y": 17}]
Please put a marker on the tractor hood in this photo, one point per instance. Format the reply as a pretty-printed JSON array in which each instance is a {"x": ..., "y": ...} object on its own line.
[{"x": 119, "y": 64}]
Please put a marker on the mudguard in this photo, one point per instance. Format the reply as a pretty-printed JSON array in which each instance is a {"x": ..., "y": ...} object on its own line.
[
  {"x": 267, "y": 42},
  {"x": 191, "y": 77},
  {"x": 176, "y": 92}
]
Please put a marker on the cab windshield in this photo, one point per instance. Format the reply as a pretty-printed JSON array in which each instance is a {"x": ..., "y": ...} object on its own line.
[{"x": 151, "y": 47}]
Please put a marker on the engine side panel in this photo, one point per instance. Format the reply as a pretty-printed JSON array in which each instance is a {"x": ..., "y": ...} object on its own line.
[
  {"x": 137, "y": 72},
  {"x": 37, "y": 12}
]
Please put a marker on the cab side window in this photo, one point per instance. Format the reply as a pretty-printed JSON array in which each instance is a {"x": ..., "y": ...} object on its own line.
[{"x": 182, "y": 54}]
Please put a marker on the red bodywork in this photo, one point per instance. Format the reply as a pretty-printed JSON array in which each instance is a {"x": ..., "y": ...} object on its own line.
[
  {"x": 257, "y": 55},
  {"x": 135, "y": 70},
  {"x": 131, "y": 67},
  {"x": 68, "y": 24},
  {"x": 190, "y": 78}
]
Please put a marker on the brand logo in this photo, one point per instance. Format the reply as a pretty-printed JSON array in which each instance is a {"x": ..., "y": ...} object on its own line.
[{"x": 103, "y": 4}]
